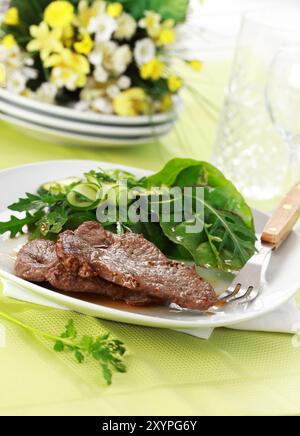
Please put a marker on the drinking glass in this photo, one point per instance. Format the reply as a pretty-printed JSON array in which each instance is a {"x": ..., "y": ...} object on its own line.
[
  {"x": 250, "y": 148},
  {"x": 283, "y": 100}
]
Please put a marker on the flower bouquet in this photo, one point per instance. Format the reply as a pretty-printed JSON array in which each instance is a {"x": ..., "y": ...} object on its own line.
[{"x": 94, "y": 55}]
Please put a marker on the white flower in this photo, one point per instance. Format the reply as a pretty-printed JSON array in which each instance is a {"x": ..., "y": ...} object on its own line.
[
  {"x": 62, "y": 77},
  {"x": 103, "y": 26},
  {"x": 124, "y": 82},
  {"x": 81, "y": 106},
  {"x": 126, "y": 27},
  {"x": 100, "y": 74},
  {"x": 102, "y": 53},
  {"x": 30, "y": 73},
  {"x": 46, "y": 93},
  {"x": 102, "y": 105},
  {"x": 96, "y": 56},
  {"x": 16, "y": 82},
  {"x": 29, "y": 62},
  {"x": 121, "y": 58},
  {"x": 112, "y": 91},
  {"x": 11, "y": 57},
  {"x": 144, "y": 51},
  {"x": 90, "y": 92},
  {"x": 112, "y": 59}
]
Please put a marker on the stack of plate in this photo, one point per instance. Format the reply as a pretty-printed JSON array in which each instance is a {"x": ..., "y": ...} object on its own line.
[{"x": 71, "y": 127}]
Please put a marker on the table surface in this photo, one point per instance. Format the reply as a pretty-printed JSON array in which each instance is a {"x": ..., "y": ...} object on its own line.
[{"x": 168, "y": 373}]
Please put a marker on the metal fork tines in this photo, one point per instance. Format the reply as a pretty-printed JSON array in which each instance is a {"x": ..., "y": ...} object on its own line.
[{"x": 247, "y": 285}]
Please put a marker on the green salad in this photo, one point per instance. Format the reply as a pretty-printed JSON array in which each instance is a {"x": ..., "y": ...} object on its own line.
[{"x": 226, "y": 242}]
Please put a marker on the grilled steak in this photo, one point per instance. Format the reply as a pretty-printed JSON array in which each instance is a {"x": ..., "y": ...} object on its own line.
[
  {"x": 37, "y": 262},
  {"x": 35, "y": 259},
  {"x": 133, "y": 262}
]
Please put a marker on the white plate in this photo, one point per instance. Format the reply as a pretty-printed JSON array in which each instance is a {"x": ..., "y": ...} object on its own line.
[
  {"x": 91, "y": 117},
  {"x": 81, "y": 127},
  {"x": 72, "y": 139},
  {"x": 282, "y": 279}
]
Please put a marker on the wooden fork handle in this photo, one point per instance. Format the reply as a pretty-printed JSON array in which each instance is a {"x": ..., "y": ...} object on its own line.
[{"x": 284, "y": 219}]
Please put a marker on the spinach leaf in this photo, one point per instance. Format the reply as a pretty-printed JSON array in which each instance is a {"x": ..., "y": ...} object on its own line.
[{"x": 227, "y": 240}]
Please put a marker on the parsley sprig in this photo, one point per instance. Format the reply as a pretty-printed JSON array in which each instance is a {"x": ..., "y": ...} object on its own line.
[{"x": 109, "y": 353}]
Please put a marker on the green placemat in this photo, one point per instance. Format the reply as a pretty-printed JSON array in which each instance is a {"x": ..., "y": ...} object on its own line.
[{"x": 233, "y": 372}]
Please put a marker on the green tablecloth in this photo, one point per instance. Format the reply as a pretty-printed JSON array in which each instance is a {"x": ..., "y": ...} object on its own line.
[{"x": 168, "y": 373}]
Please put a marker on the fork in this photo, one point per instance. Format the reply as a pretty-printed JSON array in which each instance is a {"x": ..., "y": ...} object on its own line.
[{"x": 248, "y": 284}]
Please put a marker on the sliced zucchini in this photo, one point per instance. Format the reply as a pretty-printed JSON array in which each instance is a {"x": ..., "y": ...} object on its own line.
[
  {"x": 61, "y": 186},
  {"x": 84, "y": 196},
  {"x": 91, "y": 178}
]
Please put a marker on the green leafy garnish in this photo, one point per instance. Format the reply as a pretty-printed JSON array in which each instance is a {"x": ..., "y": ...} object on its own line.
[
  {"x": 109, "y": 353},
  {"x": 15, "y": 226},
  {"x": 228, "y": 237}
]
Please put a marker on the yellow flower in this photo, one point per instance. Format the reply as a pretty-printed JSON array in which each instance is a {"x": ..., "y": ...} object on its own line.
[
  {"x": 152, "y": 70},
  {"x": 12, "y": 17},
  {"x": 196, "y": 65},
  {"x": 86, "y": 12},
  {"x": 166, "y": 37},
  {"x": 3, "y": 75},
  {"x": 68, "y": 34},
  {"x": 84, "y": 46},
  {"x": 151, "y": 23},
  {"x": 9, "y": 41},
  {"x": 67, "y": 58},
  {"x": 132, "y": 102},
  {"x": 45, "y": 41},
  {"x": 166, "y": 103},
  {"x": 59, "y": 14},
  {"x": 114, "y": 9},
  {"x": 70, "y": 69},
  {"x": 174, "y": 83}
]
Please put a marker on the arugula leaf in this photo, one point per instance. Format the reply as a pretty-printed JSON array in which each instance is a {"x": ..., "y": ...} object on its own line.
[
  {"x": 31, "y": 202},
  {"x": 225, "y": 243},
  {"x": 16, "y": 225},
  {"x": 36, "y": 202}
]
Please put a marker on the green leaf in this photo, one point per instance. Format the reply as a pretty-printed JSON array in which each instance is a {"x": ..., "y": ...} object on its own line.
[
  {"x": 59, "y": 346},
  {"x": 228, "y": 237},
  {"x": 79, "y": 356},
  {"x": 54, "y": 221},
  {"x": 35, "y": 202},
  {"x": 31, "y": 202},
  {"x": 107, "y": 374},
  {"x": 77, "y": 218},
  {"x": 70, "y": 330},
  {"x": 16, "y": 225},
  {"x": 175, "y": 9},
  {"x": 86, "y": 343}
]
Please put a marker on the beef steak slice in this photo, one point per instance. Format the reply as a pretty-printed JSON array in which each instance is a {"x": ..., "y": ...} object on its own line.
[
  {"x": 35, "y": 259},
  {"x": 133, "y": 262},
  {"x": 37, "y": 262}
]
